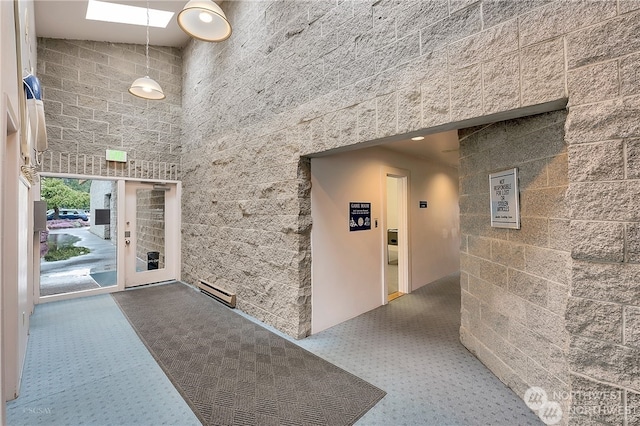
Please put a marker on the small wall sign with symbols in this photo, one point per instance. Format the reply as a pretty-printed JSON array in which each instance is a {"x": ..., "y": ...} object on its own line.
[
  {"x": 359, "y": 216},
  {"x": 505, "y": 201}
]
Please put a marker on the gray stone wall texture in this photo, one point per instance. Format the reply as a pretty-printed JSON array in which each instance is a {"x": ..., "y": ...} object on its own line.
[
  {"x": 515, "y": 282},
  {"x": 88, "y": 109},
  {"x": 150, "y": 230},
  {"x": 303, "y": 77},
  {"x": 298, "y": 78},
  {"x": 602, "y": 134}
]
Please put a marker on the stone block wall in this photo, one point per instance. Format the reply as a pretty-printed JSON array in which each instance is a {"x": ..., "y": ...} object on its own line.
[
  {"x": 304, "y": 77},
  {"x": 88, "y": 109},
  {"x": 150, "y": 229},
  {"x": 515, "y": 282},
  {"x": 299, "y": 78},
  {"x": 603, "y": 134}
]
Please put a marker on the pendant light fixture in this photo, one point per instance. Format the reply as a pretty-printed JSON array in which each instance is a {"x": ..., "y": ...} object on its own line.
[
  {"x": 204, "y": 20},
  {"x": 146, "y": 87}
]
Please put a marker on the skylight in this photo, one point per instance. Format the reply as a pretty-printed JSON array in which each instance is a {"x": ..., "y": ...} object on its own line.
[{"x": 125, "y": 14}]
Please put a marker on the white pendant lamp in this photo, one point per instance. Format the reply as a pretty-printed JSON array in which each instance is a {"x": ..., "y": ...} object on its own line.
[
  {"x": 204, "y": 20},
  {"x": 146, "y": 87}
]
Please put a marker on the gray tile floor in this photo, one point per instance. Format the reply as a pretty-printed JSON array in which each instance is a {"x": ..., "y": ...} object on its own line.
[{"x": 85, "y": 365}]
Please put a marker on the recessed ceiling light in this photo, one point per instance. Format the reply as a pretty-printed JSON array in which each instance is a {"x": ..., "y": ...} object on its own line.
[
  {"x": 125, "y": 14},
  {"x": 417, "y": 138}
]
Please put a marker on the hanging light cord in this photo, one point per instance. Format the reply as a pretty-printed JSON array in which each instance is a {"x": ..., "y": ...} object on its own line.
[{"x": 147, "y": 48}]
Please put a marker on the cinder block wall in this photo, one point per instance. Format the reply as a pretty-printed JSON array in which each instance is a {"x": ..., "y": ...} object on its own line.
[
  {"x": 602, "y": 133},
  {"x": 150, "y": 216},
  {"x": 88, "y": 109},
  {"x": 298, "y": 78},
  {"x": 515, "y": 282}
]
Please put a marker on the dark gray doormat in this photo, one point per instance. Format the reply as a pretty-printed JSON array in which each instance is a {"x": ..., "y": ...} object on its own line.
[{"x": 232, "y": 371}]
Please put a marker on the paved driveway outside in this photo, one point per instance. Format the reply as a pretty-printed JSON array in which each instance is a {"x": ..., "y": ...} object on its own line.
[{"x": 74, "y": 274}]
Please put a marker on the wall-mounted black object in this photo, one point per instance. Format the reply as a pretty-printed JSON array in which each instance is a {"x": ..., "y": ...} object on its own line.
[
  {"x": 102, "y": 217},
  {"x": 153, "y": 260}
]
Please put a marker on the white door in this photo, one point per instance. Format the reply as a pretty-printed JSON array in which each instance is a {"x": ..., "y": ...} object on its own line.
[{"x": 151, "y": 234}]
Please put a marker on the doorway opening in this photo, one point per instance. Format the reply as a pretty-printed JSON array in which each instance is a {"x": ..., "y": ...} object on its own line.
[
  {"x": 78, "y": 251},
  {"x": 105, "y": 235},
  {"x": 396, "y": 266},
  {"x": 354, "y": 264}
]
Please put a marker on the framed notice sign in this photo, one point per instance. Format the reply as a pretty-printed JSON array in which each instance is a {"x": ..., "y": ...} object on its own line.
[
  {"x": 359, "y": 216},
  {"x": 505, "y": 201}
]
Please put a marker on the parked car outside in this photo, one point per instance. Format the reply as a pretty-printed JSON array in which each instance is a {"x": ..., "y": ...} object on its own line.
[{"x": 67, "y": 214}]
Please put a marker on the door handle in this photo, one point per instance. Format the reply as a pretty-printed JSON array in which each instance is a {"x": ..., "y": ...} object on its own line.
[{"x": 127, "y": 242}]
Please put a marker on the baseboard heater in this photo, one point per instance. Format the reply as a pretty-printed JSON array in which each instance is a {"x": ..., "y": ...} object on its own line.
[{"x": 218, "y": 293}]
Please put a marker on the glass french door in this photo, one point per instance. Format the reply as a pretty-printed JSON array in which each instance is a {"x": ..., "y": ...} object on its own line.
[{"x": 150, "y": 237}]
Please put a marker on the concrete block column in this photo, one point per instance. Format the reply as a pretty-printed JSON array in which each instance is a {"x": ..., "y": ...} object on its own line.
[{"x": 601, "y": 131}]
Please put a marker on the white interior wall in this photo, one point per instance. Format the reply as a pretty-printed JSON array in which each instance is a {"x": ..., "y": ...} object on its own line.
[
  {"x": 344, "y": 277},
  {"x": 434, "y": 231},
  {"x": 16, "y": 226},
  {"x": 347, "y": 267},
  {"x": 11, "y": 288},
  {"x": 25, "y": 289},
  {"x": 8, "y": 258},
  {"x": 5, "y": 42}
]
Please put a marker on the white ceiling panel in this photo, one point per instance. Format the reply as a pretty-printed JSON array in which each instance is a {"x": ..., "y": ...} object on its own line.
[{"x": 66, "y": 20}]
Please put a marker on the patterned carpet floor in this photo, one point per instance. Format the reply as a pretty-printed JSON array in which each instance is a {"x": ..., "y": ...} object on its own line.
[{"x": 232, "y": 371}]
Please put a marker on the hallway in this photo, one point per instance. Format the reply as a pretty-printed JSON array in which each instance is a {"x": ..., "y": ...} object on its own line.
[
  {"x": 85, "y": 365},
  {"x": 410, "y": 348}
]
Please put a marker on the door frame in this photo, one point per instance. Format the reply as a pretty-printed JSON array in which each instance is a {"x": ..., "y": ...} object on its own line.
[
  {"x": 12, "y": 321},
  {"x": 404, "y": 254},
  {"x": 119, "y": 253}
]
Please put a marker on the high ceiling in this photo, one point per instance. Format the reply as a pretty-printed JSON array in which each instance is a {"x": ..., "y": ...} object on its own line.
[{"x": 66, "y": 19}]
